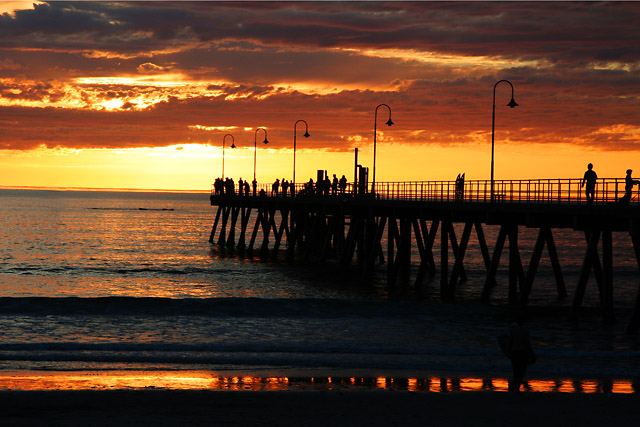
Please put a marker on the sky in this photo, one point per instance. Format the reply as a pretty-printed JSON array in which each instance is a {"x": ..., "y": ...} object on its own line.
[{"x": 141, "y": 94}]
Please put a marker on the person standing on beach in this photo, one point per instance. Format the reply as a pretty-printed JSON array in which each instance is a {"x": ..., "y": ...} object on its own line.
[
  {"x": 517, "y": 346},
  {"x": 589, "y": 178}
]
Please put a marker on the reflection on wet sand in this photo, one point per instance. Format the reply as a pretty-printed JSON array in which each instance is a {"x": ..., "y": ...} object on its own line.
[{"x": 206, "y": 380}]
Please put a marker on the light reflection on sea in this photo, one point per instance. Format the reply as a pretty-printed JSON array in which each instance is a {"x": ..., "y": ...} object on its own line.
[{"x": 206, "y": 380}]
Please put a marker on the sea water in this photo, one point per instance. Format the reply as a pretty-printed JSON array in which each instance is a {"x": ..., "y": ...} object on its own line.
[{"x": 97, "y": 281}]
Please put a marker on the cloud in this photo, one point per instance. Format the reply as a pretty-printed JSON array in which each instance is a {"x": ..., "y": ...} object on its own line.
[
  {"x": 151, "y": 68},
  {"x": 103, "y": 74}
]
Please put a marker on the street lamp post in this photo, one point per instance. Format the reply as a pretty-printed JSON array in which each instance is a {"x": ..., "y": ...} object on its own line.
[
  {"x": 511, "y": 104},
  {"x": 375, "y": 132},
  {"x": 306, "y": 135},
  {"x": 233, "y": 145},
  {"x": 255, "y": 149}
]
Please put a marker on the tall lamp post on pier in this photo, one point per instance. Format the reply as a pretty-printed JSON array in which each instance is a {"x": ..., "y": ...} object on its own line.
[
  {"x": 511, "y": 104},
  {"x": 233, "y": 145},
  {"x": 306, "y": 135},
  {"x": 375, "y": 132},
  {"x": 255, "y": 149}
]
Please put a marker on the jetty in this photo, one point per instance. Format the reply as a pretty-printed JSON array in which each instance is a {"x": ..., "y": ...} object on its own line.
[{"x": 366, "y": 227}]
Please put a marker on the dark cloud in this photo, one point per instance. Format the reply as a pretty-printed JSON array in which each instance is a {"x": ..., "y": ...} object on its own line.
[
  {"x": 556, "y": 31},
  {"x": 575, "y": 68}
]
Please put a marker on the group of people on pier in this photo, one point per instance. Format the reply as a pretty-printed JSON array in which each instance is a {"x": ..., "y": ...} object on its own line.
[
  {"x": 227, "y": 186},
  {"x": 589, "y": 184},
  {"x": 325, "y": 187}
]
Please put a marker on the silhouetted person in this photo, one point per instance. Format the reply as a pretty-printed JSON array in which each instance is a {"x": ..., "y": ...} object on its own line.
[
  {"x": 334, "y": 185},
  {"x": 342, "y": 184},
  {"x": 589, "y": 178},
  {"x": 240, "y": 186},
  {"x": 459, "y": 191},
  {"x": 229, "y": 187},
  {"x": 275, "y": 188},
  {"x": 628, "y": 186},
  {"x": 518, "y": 349},
  {"x": 246, "y": 188},
  {"x": 218, "y": 185},
  {"x": 285, "y": 187},
  {"x": 254, "y": 184},
  {"x": 309, "y": 186},
  {"x": 323, "y": 187}
]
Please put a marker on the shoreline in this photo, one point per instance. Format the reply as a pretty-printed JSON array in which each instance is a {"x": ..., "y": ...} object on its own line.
[{"x": 311, "y": 408}]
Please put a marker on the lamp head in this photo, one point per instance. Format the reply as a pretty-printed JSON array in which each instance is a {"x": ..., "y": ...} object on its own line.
[
  {"x": 233, "y": 145},
  {"x": 389, "y": 122},
  {"x": 265, "y": 141},
  {"x": 512, "y": 103},
  {"x": 306, "y": 135}
]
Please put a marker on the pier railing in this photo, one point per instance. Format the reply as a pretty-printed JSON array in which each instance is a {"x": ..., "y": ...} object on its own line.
[{"x": 548, "y": 191}]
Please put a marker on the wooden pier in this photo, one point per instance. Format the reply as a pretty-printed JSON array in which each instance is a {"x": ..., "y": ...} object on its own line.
[{"x": 386, "y": 225}]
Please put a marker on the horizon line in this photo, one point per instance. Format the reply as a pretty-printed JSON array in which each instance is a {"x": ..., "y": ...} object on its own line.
[{"x": 105, "y": 189}]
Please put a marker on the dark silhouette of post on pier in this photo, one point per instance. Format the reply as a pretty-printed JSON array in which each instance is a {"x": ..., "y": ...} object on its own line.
[
  {"x": 375, "y": 134},
  {"x": 511, "y": 104},
  {"x": 306, "y": 135}
]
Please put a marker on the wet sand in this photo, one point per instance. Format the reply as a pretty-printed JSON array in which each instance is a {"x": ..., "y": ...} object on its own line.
[{"x": 312, "y": 408}]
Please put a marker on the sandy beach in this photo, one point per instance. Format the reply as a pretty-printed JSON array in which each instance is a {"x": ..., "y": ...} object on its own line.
[{"x": 312, "y": 408}]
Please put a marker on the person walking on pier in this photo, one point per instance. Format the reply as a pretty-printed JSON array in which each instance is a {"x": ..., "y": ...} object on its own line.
[
  {"x": 589, "y": 178},
  {"x": 628, "y": 186},
  {"x": 240, "y": 186}
]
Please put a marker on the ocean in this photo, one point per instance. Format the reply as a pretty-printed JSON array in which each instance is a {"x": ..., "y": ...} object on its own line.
[{"x": 96, "y": 282}]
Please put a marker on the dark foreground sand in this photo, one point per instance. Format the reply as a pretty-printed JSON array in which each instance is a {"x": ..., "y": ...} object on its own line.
[{"x": 314, "y": 408}]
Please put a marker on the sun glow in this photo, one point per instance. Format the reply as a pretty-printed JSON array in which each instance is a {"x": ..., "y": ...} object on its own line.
[
  {"x": 11, "y": 6},
  {"x": 440, "y": 59},
  {"x": 163, "y": 80}
]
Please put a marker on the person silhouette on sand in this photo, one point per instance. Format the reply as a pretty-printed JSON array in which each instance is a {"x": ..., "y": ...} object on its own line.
[
  {"x": 589, "y": 178},
  {"x": 517, "y": 346}
]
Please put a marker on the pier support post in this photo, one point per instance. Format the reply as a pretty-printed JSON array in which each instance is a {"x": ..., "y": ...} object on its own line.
[
  {"x": 427, "y": 262},
  {"x": 215, "y": 224},
  {"x": 590, "y": 255},
  {"x": 607, "y": 283},
  {"x": 516, "y": 273},
  {"x": 244, "y": 222},
  {"x": 444, "y": 259},
  {"x": 223, "y": 228},
  {"x": 490, "y": 280},
  {"x": 634, "y": 322}
]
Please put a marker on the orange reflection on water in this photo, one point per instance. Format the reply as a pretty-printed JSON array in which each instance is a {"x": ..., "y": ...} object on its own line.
[
  {"x": 207, "y": 380},
  {"x": 588, "y": 386},
  {"x": 566, "y": 386},
  {"x": 624, "y": 387},
  {"x": 471, "y": 384},
  {"x": 500, "y": 384}
]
